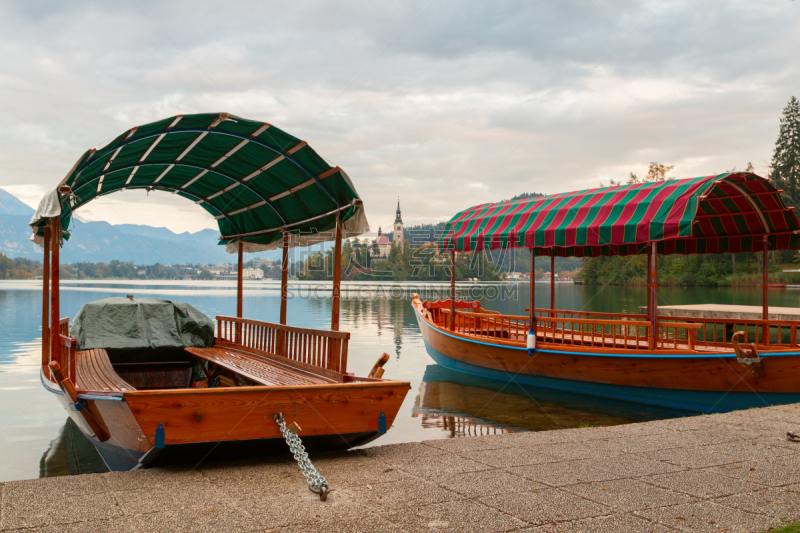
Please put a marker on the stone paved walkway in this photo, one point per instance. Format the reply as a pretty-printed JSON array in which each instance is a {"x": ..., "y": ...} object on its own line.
[{"x": 731, "y": 472}]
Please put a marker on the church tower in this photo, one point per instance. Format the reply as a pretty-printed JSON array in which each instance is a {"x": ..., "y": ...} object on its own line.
[{"x": 398, "y": 228}]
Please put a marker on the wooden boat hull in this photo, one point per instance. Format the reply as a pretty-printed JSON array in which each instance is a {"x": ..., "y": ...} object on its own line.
[
  {"x": 236, "y": 421},
  {"x": 714, "y": 383}
]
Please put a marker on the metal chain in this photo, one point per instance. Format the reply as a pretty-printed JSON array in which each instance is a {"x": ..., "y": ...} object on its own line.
[{"x": 316, "y": 482}]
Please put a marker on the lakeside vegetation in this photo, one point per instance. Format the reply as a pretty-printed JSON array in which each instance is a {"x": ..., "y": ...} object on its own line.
[
  {"x": 709, "y": 270},
  {"x": 733, "y": 270}
]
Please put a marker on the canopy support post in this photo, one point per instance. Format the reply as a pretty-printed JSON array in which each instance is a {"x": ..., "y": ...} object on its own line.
[
  {"x": 284, "y": 277},
  {"x": 337, "y": 277},
  {"x": 239, "y": 291},
  {"x": 553, "y": 282},
  {"x": 533, "y": 301},
  {"x": 281, "y": 340},
  {"x": 653, "y": 279},
  {"x": 765, "y": 291},
  {"x": 647, "y": 277},
  {"x": 46, "y": 301},
  {"x": 453, "y": 288},
  {"x": 55, "y": 347}
]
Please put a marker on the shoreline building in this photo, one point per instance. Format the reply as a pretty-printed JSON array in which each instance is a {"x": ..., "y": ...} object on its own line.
[
  {"x": 382, "y": 245},
  {"x": 397, "y": 238}
]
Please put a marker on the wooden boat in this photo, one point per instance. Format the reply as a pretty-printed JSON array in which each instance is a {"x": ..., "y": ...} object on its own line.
[
  {"x": 680, "y": 362},
  {"x": 267, "y": 190}
]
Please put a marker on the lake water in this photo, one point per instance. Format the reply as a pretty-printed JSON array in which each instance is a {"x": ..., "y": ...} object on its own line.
[{"x": 36, "y": 439}]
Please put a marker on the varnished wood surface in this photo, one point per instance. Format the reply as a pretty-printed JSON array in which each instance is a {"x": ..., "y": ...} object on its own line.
[
  {"x": 46, "y": 299},
  {"x": 166, "y": 375},
  {"x": 336, "y": 376},
  {"x": 90, "y": 413},
  {"x": 95, "y": 373},
  {"x": 270, "y": 372},
  {"x": 687, "y": 373},
  {"x": 55, "y": 230},
  {"x": 235, "y": 413},
  {"x": 319, "y": 348}
]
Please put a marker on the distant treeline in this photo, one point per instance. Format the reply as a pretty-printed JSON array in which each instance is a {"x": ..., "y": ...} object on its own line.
[
  {"x": 18, "y": 268},
  {"x": 690, "y": 270}
]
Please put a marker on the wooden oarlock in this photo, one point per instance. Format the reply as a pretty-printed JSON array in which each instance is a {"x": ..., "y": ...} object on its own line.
[{"x": 377, "y": 368}]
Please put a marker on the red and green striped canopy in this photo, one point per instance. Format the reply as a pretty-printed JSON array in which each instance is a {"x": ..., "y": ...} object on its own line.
[
  {"x": 256, "y": 180},
  {"x": 712, "y": 214}
]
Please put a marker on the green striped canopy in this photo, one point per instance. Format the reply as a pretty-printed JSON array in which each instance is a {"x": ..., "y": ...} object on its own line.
[
  {"x": 255, "y": 179},
  {"x": 713, "y": 214}
]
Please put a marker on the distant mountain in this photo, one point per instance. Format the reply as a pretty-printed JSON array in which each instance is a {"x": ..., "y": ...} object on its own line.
[
  {"x": 10, "y": 205},
  {"x": 203, "y": 236},
  {"x": 96, "y": 242}
]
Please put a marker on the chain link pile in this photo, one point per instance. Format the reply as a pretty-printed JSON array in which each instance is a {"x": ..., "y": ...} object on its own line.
[{"x": 316, "y": 482}]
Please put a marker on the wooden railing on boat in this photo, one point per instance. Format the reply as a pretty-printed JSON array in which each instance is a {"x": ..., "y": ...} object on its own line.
[
  {"x": 613, "y": 330},
  {"x": 321, "y": 348},
  {"x": 65, "y": 357},
  {"x": 609, "y": 333}
]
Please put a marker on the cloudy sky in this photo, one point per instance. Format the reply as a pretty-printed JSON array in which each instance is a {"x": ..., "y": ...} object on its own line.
[{"x": 445, "y": 104}]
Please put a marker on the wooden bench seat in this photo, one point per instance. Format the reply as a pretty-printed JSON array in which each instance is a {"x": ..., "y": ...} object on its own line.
[
  {"x": 263, "y": 370},
  {"x": 93, "y": 372}
]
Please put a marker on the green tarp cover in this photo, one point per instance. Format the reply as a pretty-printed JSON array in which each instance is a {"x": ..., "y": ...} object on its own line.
[
  {"x": 141, "y": 323},
  {"x": 256, "y": 180}
]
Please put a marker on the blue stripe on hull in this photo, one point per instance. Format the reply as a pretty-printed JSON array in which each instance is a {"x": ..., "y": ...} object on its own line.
[{"x": 687, "y": 400}]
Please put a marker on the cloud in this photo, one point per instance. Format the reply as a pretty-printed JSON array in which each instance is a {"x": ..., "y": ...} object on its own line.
[{"x": 445, "y": 104}]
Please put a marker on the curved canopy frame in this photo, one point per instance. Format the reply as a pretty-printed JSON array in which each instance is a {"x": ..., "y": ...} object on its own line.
[
  {"x": 257, "y": 181},
  {"x": 723, "y": 213}
]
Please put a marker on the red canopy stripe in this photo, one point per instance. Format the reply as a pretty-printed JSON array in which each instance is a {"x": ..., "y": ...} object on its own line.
[{"x": 721, "y": 213}]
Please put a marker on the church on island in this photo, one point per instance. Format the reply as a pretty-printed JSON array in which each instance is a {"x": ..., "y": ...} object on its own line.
[{"x": 382, "y": 245}]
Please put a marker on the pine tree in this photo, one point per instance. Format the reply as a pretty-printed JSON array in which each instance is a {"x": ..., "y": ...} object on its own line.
[{"x": 786, "y": 159}]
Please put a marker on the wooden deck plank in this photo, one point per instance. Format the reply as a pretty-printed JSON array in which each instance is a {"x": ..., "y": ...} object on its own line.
[{"x": 260, "y": 369}]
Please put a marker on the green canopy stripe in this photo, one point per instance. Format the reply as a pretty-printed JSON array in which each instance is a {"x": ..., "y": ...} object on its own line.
[
  {"x": 203, "y": 133},
  {"x": 202, "y": 171},
  {"x": 725, "y": 212},
  {"x": 256, "y": 180}
]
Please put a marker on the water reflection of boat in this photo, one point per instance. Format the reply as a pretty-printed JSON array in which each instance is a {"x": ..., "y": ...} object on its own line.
[
  {"x": 677, "y": 362},
  {"x": 461, "y": 426},
  {"x": 71, "y": 453},
  {"x": 513, "y": 405}
]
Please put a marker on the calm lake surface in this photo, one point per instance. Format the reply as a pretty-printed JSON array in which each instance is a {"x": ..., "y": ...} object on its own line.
[{"x": 36, "y": 439}]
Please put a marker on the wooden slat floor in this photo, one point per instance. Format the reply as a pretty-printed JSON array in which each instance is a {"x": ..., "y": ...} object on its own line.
[{"x": 261, "y": 369}]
